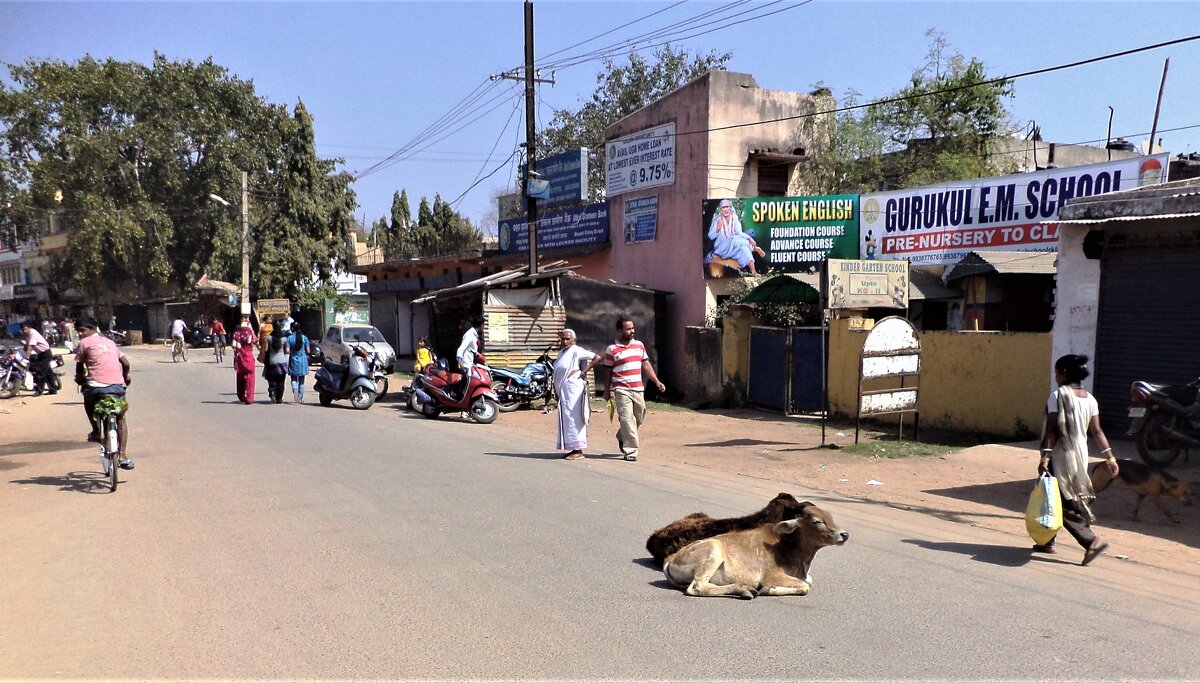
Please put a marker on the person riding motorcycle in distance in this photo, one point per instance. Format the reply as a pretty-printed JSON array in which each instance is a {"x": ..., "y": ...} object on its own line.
[{"x": 101, "y": 370}]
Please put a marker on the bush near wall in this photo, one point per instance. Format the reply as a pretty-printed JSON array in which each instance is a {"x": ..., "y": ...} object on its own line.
[{"x": 989, "y": 383}]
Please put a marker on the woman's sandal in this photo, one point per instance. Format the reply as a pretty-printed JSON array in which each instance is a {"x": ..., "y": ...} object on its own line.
[
  {"x": 573, "y": 455},
  {"x": 1049, "y": 548},
  {"x": 1093, "y": 552}
]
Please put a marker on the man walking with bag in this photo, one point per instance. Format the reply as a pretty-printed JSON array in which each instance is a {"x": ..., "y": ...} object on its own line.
[{"x": 627, "y": 361}]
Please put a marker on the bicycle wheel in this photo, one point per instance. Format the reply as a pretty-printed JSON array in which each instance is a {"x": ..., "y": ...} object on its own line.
[
  {"x": 112, "y": 444},
  {"x": 174, "y": 352}
]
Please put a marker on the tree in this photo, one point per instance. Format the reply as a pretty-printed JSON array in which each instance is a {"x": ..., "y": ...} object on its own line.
[
  {"x": 620, "y": 91},
  {"x": 941, "y": 126},
  {"x": 134, "y": 151}
]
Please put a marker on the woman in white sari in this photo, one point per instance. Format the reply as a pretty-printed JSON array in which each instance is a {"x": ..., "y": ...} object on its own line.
[
  {"x": 571, "y": 370},
  {"x": 1071, "y": 415}
]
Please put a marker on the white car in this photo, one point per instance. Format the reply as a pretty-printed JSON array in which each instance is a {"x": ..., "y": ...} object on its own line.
[{"x": 339, "y": 340}]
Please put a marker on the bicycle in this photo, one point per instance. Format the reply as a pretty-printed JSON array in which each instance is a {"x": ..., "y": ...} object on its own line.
[
  {"x": 178, "y": 349},
  {"x": 109, "y": 410},
  {"x": 219, "y": 348}
]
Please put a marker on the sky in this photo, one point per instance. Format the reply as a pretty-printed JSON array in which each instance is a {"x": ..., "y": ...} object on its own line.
[{"x": 384, "y": 77}]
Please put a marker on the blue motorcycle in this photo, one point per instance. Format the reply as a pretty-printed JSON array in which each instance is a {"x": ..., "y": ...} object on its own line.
[
  {"x": 533, "y": 382},
  {"x": 13, "y": 368}
]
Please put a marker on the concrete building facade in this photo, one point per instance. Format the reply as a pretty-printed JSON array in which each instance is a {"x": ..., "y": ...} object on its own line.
[{"x": 717, "y": 155}]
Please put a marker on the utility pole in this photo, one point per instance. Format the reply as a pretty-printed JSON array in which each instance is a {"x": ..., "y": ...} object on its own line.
[
  {"x": 245, "y": 243},
  {"x": 1158, "y": 106},
  {"x": 530, "y": 136},
  {"x": 530, "y": 77}
]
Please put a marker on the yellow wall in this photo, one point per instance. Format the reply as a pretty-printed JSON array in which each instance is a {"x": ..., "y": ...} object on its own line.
[
  {"x": 735, "y": 346},
  {"x": 989, "y": 382}
]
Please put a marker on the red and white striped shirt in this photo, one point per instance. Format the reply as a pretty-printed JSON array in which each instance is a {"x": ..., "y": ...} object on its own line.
[{"x": 626, "y": 363}]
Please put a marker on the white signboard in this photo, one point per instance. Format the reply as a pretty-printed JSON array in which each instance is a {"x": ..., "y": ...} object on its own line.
[
  {"x": 939, "y": 224},
  {"x": 641, "y": 160}
]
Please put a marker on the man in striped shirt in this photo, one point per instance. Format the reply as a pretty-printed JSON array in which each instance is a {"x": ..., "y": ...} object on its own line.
[{"x": 627, "y": 361}]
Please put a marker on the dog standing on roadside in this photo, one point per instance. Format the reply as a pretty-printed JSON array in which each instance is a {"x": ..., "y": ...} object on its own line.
[{"x": 1145, "y": 482}]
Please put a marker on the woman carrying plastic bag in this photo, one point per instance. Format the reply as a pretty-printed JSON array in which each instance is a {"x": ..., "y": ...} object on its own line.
[{"x": 1071, "y": 415}]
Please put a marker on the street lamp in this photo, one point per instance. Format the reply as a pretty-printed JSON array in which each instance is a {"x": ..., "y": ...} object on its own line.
[{"x": 245, "y": 294}]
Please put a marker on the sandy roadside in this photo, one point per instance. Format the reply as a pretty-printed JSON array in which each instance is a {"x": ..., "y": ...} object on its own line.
[{"x": 986, "y": 486}]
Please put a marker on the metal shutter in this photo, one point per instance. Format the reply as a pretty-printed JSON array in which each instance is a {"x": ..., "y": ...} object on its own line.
[
  {"x": 383, "y": 316},
  {"x": 1148, "y": 326}
]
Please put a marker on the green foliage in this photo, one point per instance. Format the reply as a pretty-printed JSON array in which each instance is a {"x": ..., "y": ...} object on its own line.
[
  {"x": 774, "y": 315},
  {"x": 941, "y": 126},
  {"x": 620, "y": 91},
  {"x": 135, "y": 151},
  {"x": 440, "y": 230},
  {"x": 313, "y": 295}
]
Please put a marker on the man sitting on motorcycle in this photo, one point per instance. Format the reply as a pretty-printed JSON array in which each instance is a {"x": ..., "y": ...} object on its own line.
[{"x": 101, "y": 370}]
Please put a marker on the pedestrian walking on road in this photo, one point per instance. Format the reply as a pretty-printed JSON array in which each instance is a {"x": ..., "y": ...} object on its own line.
[
  {"x": 297, "y": 361},
  {"x": 571, "y": 369},
  {"x": 1071, "y": 415},
  {"x": 275, "y": 369},
  {"x": 265, "y": 328},
  {"x": 627, "y": 361},
  {"x": 245, "y": 348}
]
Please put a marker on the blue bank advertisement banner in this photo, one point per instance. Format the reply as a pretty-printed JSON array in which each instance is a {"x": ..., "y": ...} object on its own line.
[
  {"x": 573, "y": 227},
  {"x": 568, "y": 176},
  {"x": 641, "y": 219}
]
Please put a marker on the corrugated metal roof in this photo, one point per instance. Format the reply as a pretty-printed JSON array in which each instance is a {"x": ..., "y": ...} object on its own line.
[
  {"x": 925, "y": 286},
  {"x": 504, "y": 277},
  {"x": 1152, "y": 201},
  {"x": 1004, "y": 263},
  {"x": 1159, "y": 217}
]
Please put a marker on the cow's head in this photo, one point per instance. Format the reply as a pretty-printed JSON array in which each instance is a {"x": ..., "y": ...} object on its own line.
[{"x": 816, "y": 525}]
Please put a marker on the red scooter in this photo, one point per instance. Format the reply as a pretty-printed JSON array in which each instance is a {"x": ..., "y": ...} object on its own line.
[{"x": 436, "y": 391}]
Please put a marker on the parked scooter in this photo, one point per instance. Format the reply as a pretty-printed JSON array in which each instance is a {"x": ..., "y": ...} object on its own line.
[
  {"x": 14, "y": 366},
  {"x": 435, "y": 390},
  {"x": 355, "y": 380},
  {"x": 534, "y": 382},
  {"x": 1161, "y": 421}
]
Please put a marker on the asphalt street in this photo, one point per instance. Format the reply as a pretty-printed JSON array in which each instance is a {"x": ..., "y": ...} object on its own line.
[{"x": 295, "y": 541}]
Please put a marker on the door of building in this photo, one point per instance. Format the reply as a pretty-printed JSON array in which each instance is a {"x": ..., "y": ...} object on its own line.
[
  {"x": 383, "y": 317},
  {"x": 785, "y": 369},
  {"x": 1148, "y": 324}
]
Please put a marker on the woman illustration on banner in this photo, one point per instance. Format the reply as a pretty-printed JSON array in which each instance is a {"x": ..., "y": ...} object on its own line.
[{"x": 729, "y": 241}]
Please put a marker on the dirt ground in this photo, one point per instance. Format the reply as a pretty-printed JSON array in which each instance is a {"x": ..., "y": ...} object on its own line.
[{"x": 986, "y": 485}]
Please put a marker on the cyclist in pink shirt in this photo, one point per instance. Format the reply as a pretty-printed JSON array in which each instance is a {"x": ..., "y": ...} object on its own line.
[{"x": 101, "y": 370}]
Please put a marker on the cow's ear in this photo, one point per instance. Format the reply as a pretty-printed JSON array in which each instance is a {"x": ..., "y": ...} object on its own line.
[{"x": 787, "y": 526}]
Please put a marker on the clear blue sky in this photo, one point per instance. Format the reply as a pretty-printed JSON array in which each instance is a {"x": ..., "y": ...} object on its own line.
[{"x": 376, "y": 75}]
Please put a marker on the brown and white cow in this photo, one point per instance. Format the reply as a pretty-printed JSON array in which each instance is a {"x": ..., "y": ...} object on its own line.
[
  {"x": 674, "y": 536},
  {"x": 771, "y": 559}
]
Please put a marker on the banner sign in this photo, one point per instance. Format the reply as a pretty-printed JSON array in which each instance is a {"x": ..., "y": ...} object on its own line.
[
  {"x": 867, "y": 284},
  {"x": 790, "y": 234},
  {"x": 939, "y": 224},
  {"x": 580, "y": 225},
  {"x": 354, "y": 313},
  {"x": 272, "y": 307},
  {"x": 640, "y": 161},
  {"x": 568, "y": 176},
  {"x": 641, "y": 219}
]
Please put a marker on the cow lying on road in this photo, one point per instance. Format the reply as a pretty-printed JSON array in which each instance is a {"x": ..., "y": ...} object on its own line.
[
  {"x": 772, "y": 558},
  {"x": 674, "y": 536}
]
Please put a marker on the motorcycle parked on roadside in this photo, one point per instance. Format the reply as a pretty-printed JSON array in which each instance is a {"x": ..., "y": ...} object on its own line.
[
  {"x": 1161, "y": 421},
  {"x": 14, "y": 366},
  {"x": 533, "y": 382},
  {"x": 354, "y": 380},
  {"x": 436, "y": 390}
]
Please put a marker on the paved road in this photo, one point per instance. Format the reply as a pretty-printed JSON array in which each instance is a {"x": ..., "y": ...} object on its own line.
[{"x": 305, "y": 542}]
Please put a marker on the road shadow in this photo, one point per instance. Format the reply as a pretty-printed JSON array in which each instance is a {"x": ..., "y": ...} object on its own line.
[
  {"x": 739, "y": 442},
  {"x": 1001, "y": 555},
  {"x": 557, "y": 455},
  {"x": 1112, "y": 508},
  {"x": 32, "y": 447},
  {"x": 74, "y": 482},
  {"x": 648, "y": 563},
  {"x": 225, "y": 403}
]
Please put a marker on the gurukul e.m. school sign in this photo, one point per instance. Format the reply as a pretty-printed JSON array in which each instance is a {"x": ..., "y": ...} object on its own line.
[{"x": 939, "y": 224}]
